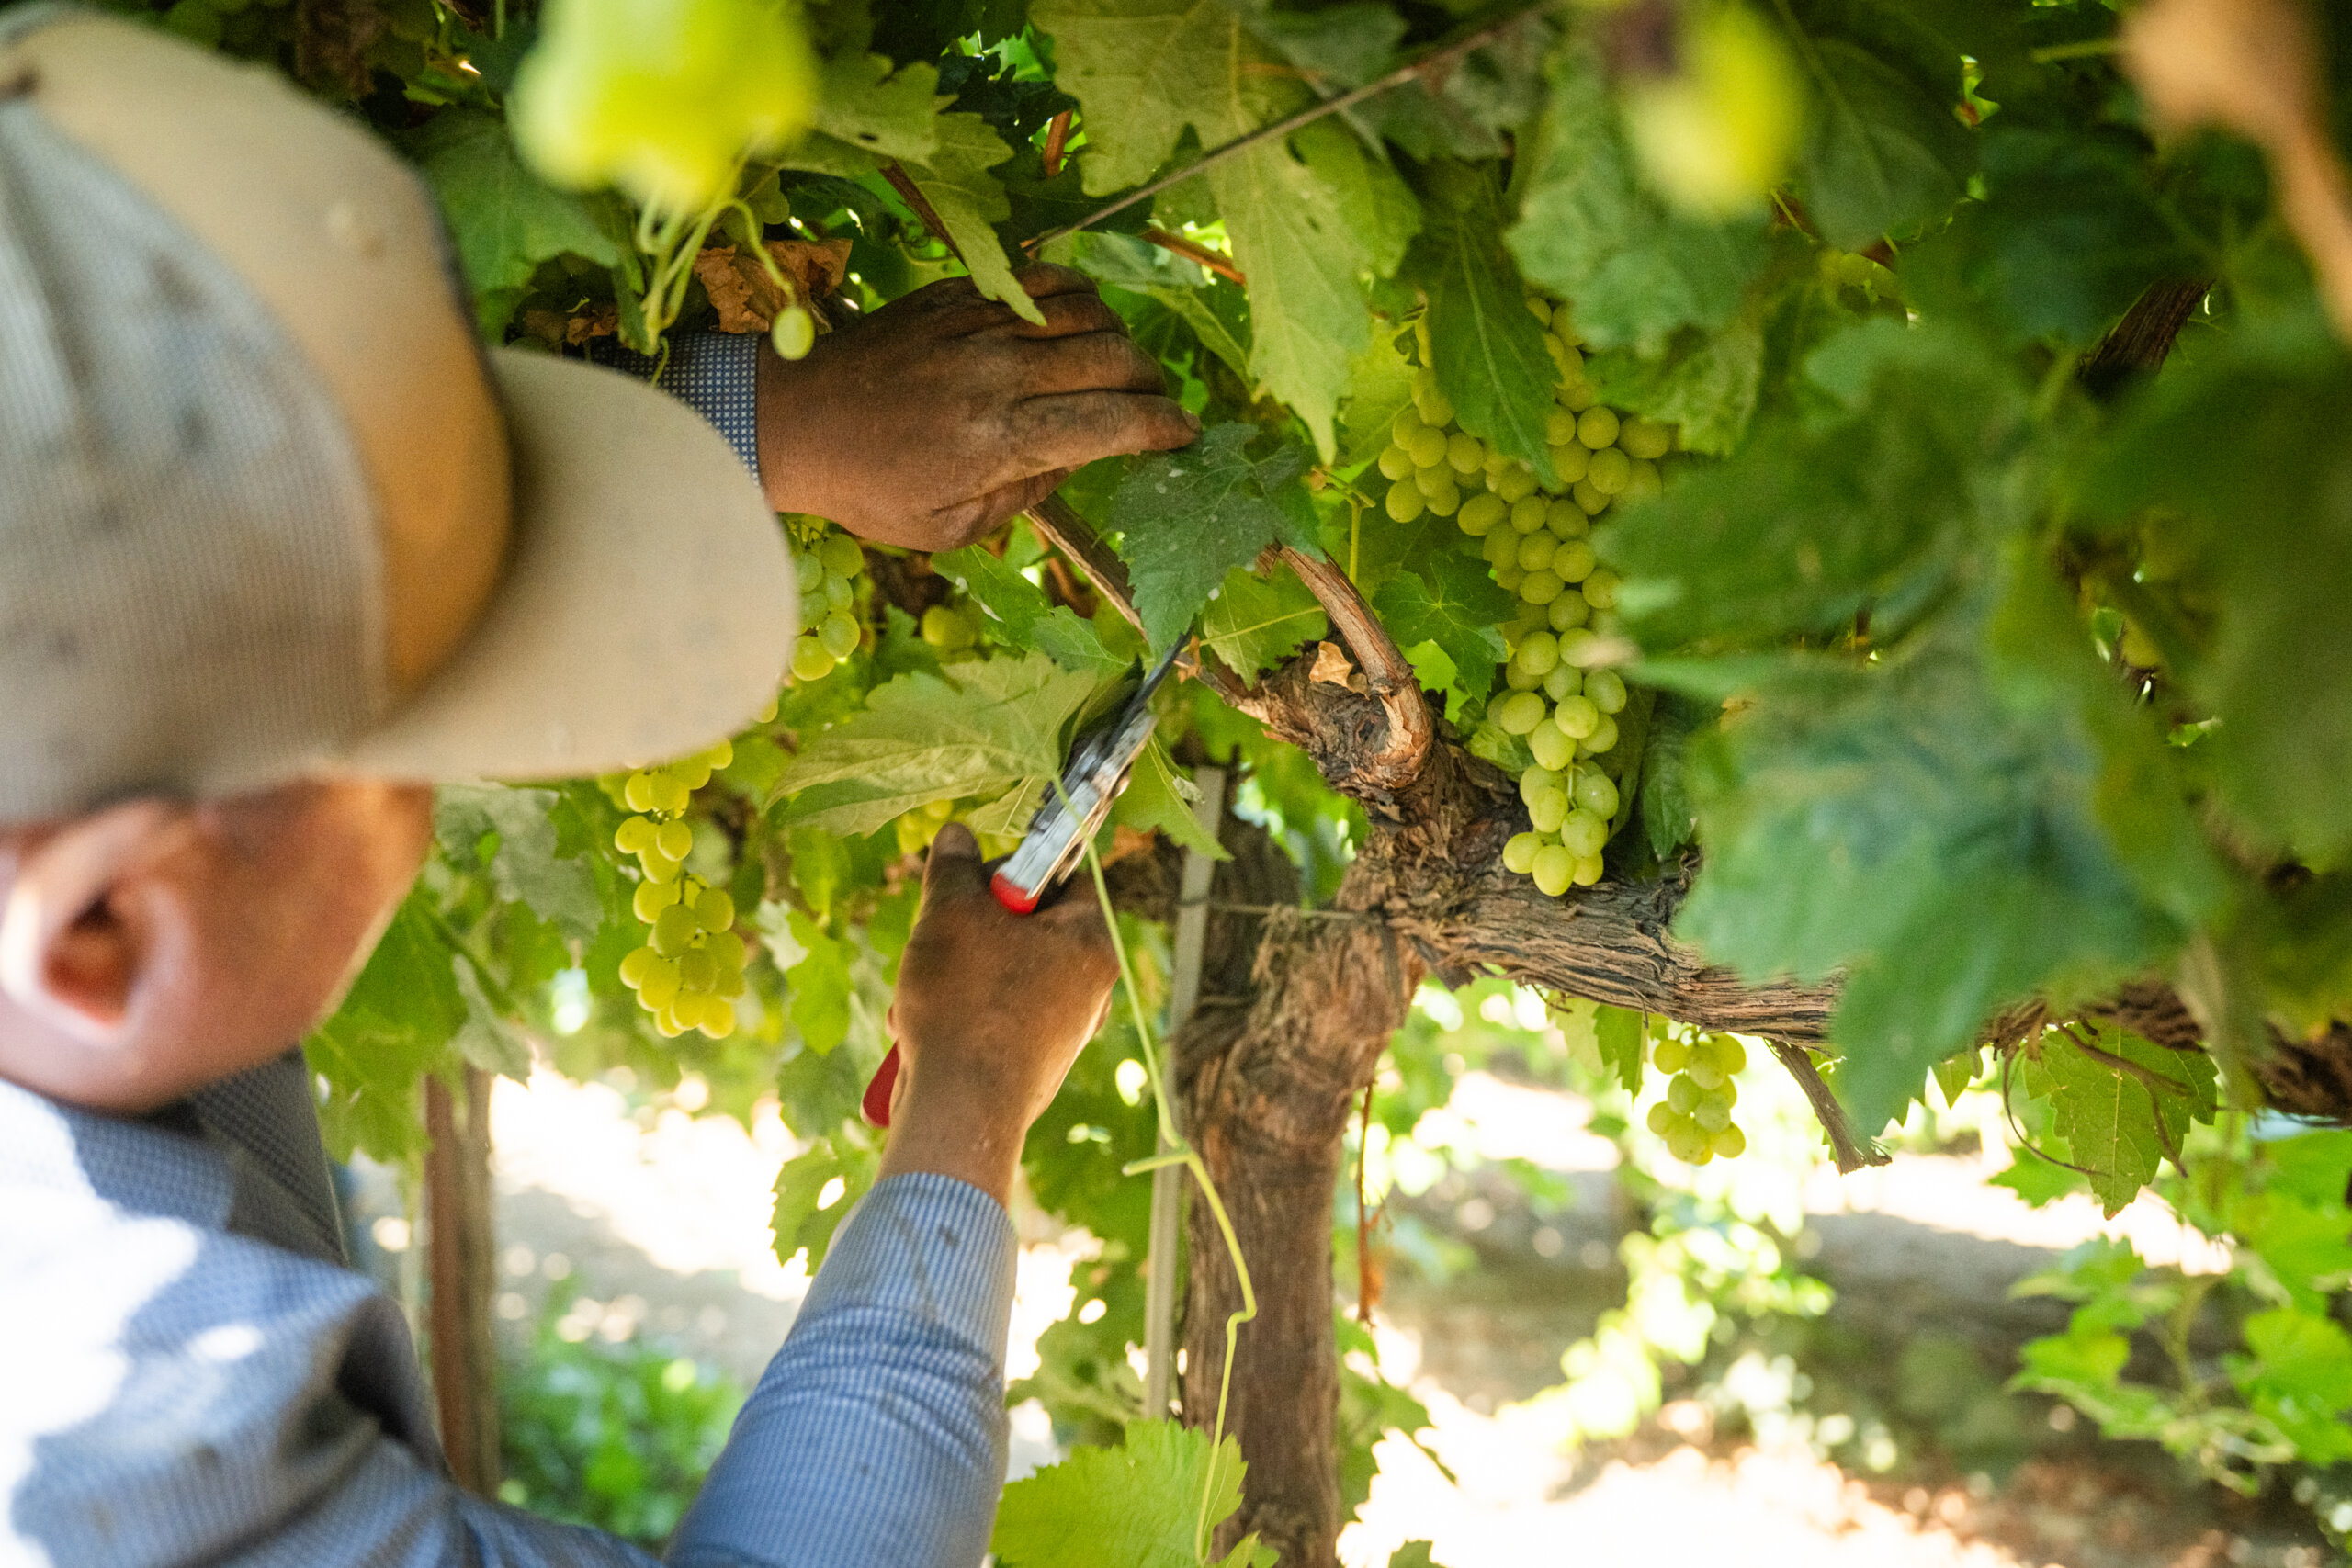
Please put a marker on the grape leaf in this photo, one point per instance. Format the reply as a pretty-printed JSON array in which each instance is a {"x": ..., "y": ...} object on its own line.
[
  {"x": 1885, "y": 154},
  {"x": 970, "y": 202},
  {"x": 395, "y": 1025},
  {"x": 1871, "y": 506},
  {"x": 875, "y": 108},
  {"x": 819, "y": 982},
  {"x": 981, "y": 729},
  {"x": 503, "y": 220},
  {"x": 1591, "y": 235},
  {"x": 488, "y": 1038},
  {"x": 1301, "y": 240},
  {"x": 799, "y": 1221},
  {"x": 2299, "y": 1373},
  {"x": 1383, "y": 210},
  {"x": 1020, "y": 609},
  {"x": 1902, "y": 822},
  {"x": 1160, "y": 798},
  {"x": 1189, "y": 517},
  {"x": 1255, "y": 622},
  {"x": 1705, "y": 382},
  {"x": 2118, "y": 1124},
  {"x": 1452, "y": 601},
  {"x": 1137, "y": 1505},
  {"x": 1305, "y": 215},
  {"x": 1143, "y": 70},
  {"x": 1380, "y": 386},
  {"x": 525, "y": 867},
  {"x": 1621, "y": 1035},
  {"x": 1491, "y": 364},
  {"x": 2242, "y": 447}
]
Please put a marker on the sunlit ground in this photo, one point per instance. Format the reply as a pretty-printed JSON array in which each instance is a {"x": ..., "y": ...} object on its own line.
[{"x": 660, "y": 1222}]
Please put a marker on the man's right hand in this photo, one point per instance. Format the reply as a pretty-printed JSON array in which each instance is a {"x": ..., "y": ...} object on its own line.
[
  {"x": 942, "y": 414},
  {"x": 991, "y": 1010}
]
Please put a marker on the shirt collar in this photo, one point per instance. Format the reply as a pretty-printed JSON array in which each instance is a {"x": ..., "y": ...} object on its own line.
[{"x": 142, "y": 1166}]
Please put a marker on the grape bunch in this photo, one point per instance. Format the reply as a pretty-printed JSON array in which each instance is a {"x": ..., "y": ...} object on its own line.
[
  {"x": 1695, "y": 1116},
  {"x": 690, "y": 970},
  {"x": 830, "y": 563},
  {"x": 1538, "y": 543}
]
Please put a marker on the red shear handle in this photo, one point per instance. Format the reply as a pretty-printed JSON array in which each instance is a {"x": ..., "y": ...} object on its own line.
[{"x": 876, "y": 1106}]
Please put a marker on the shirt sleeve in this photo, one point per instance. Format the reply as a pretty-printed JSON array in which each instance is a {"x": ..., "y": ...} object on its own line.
[
  {"x": 714, "y": 374},
  {"x": 877, "y": 1435}
]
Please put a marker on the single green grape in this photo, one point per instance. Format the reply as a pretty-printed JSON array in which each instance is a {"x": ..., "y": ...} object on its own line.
[
  {"x": 1672, "y": 1055},
  {"x": 1660, "y": 1119},
  {"x": 1713, "y": 1116},
  {"x": 1574, "y": 560},
  {"x": 1518, "y": 854},
  {"x": 1501, "y": 547},
  {"x": 675, "y": 840},
  {"x": 1596, "y": 793},
  {"x": 1527, "y": 514},
  {"x": 1405, "y": 426},
  {"x": 652, "y": 897},
  {"x": 1600, "y": 588},
  {"x": 841, "y": 555},
  {"x": 1644, "y": 438},
  {"x": 1576, "y": 394},
  {"x": 1583, "y": 833},
  {"x": 1520, "y": 711},
  {"x": 1395, "y": 463},
  {"x": 1541, "y": 586},
  {"x": 1535, "y": 550},
  {"x": 1564, "y": 680},
  {"x": 809, "y": 659},
  {"x": 1567, "y": 613},
  {"x": 1427, "y": 445},
  {"x": 697, "y": 971},
  {"x": 1603, "y": 738},
  {"x": 633, "y": 835},
  {"x": 659, "y": 989},
  {"x": 810, "y": 572},
  {"x": 715, "y": 909},
  {"x": 1576, "y": 717},
  {"x": 839, "y": 635},
  {"x": 673, "y": 929},
  {"x": 794, "y": 333},
  {"x": 1611, "y": 470},
  {"x": 1555, "y": 870},
  {"x": 1688, "y": 1144},
  {"x": 1729, "y": 1144},
  {"x": 1590, "y": 870},
  {"x": 1516, "y": 484},
  {"x": 1446, "y": 501},
  {"x": 1683, "y": 1095},
  {"x": 1559, "y": 427},
  {"x": 1607, "y": 690},
  {"x": 1538, "y": 652},
  {"x": 636, "y": 964},
  {"x": 1539, "y": 308},
  {"x": 1548, "y": 810},
  {"x": 1480, "y": 513},
  {"x": 1565, "y": 519},
  {"x": 1597, "y": 427},
  {"x": 1551, "y": 749},
  {"x": 1465, "y": 452},
  {"x": 1705, "y": 1074},
  {"x": 840, "y": 592},
  {"x": 1406, "y": 500},
  {"x": 1730, "y": 1053}
]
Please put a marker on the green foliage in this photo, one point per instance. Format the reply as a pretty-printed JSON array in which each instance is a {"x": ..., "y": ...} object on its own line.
[
  {"x": 989, "y": 727},
  {"x": 614, "y": 1436},
  {"x": 1974, "y": 679},
  {"x": 2280, "y": 1398},
  {"x": 1187, "y": 518},
  {"x": 1148, "y": 1503}
]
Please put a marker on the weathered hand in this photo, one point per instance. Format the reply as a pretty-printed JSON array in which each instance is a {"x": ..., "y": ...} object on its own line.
[
  {"x": 991, "y": 1010},
  {"x": 943, "y": 414}
]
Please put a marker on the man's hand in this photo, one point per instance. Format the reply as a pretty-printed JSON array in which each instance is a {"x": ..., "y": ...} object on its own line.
[
  {"x": 991, "y": 1010},
  {"x": 943, "y": 413}
]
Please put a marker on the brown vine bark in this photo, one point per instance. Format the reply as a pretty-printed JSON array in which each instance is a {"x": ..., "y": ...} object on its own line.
[{"x": 461, "y": 1265}]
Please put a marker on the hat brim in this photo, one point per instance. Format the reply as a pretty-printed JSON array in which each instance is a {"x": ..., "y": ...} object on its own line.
[{"x": 648, "y": 607}]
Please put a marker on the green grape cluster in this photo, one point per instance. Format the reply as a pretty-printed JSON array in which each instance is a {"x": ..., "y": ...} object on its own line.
[
  {"x": 1695, "y": 1116},
  {"x": 690, "y": 970},
  {"x": 830, "y": 628},
  {"x": 1539, "y": 545}
]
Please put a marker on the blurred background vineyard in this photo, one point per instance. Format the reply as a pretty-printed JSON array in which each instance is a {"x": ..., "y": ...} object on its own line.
[{"x": 1571, "y": 1336}]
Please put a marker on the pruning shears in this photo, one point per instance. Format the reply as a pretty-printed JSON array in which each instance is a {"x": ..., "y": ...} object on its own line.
[{"x": 1066, "y": 822}]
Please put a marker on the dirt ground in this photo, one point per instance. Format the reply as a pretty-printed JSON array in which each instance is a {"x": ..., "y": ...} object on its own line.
[{"x": 660, "y": 1222}]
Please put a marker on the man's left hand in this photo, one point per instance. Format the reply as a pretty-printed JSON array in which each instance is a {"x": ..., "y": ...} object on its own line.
[{"x": 942, "y": 414}]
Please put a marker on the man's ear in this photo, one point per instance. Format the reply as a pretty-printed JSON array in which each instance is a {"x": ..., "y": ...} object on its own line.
[{"x": 78, "y": 927}]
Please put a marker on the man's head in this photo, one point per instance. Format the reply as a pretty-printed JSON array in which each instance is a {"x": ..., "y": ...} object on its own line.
[
  {"x": 152, "y": 947},
  {"x": 280, "y": 545}
]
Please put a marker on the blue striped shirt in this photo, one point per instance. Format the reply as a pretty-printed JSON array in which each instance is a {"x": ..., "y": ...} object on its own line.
[{"x": 187, "y": 1376}]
